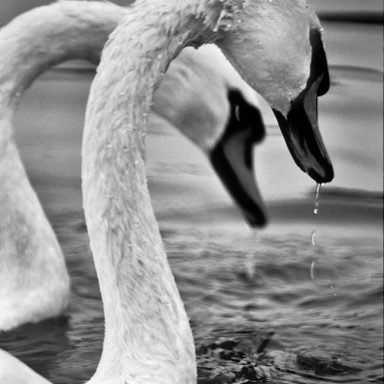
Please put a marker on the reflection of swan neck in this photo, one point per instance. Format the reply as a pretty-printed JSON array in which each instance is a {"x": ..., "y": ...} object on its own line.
[
  {"x": 45, "y": 36},
  {"x": 147, "y": 330}
]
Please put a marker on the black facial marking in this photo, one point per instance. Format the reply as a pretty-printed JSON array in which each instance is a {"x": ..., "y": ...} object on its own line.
[
  {"x": 244, "y": 118},
  {"x": 307, "y": 136},
  {"x": 300, "y": 128},
  {"x": 246, "y": 128},
  {"x": 319, "y": 64}
]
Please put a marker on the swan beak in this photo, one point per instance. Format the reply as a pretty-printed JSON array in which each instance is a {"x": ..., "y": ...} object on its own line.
[
  {"x": 232, "y": 159},
  {"x": 300, "y": 128}
]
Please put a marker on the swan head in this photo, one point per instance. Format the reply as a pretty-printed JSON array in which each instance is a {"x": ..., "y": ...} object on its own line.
[
  {"x": 206, "y": 99},
  {"x": 232, "y": 156},
  {"x": 277, "y": 47}
]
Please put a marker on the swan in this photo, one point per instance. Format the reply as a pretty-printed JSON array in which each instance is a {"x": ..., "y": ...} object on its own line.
[
  {"x": 276, "y": 46},
  {"x": 34, "y": 283}
]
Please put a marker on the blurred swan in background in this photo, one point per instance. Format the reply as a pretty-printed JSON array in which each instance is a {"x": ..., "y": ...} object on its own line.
[{"x": 201, "y": 95}]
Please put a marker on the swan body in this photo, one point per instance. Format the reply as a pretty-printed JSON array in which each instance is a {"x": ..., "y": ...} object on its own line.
[
  {"x": 34, "y": 283},
  {"x": 147, "y": 334}
]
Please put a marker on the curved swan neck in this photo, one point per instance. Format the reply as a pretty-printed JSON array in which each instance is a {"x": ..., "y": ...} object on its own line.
[
  {"x": 147, "y": 333},
  {"x": 45, "y": 36}
]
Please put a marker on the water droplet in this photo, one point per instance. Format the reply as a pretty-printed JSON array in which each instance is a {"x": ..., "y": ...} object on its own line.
[
  {"x": 312, "y": 273},
  {"x": 313, "y": 238},
  {"x": 317, "y": 199},
  {"x": 313, "y": 235}
]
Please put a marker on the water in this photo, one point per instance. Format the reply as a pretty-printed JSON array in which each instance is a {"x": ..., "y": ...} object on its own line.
[
  {"x": 233, "y": 311},
  {"x": 255, "y": 310}
]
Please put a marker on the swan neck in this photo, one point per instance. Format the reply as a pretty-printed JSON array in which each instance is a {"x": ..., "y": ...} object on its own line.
[
  {"x": 147, "y": 332},
  {"x": 48, "y": 35}
]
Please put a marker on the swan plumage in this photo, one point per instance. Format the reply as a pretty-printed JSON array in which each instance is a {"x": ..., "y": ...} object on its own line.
[
  {"x": 34, "y": 279},
  {"x": 147, "y": 334}
]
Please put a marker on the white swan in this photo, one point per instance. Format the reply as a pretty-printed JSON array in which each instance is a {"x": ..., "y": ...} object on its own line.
[
  {"x": 34, "y": 282},
  {"x": 147, "y": 334}
]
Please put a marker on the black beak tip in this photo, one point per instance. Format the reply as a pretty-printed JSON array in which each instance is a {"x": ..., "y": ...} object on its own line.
[
  {"x": 327, "y": 175},
  {"x": 259, "y": 220}
]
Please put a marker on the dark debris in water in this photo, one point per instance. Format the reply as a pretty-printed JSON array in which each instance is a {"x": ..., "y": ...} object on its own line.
[
  {"x": 324, "y": 365},
  {"x": 230, "y": 361},
  {"x": 226, "y": 362}
]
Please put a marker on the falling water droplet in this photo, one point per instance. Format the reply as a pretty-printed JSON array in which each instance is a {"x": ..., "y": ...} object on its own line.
[
  {"x": 312, "y": 270},
  {"x": 313, "y": 235},
  {"x": 333, "y": 289},
  {"x": 317, "y": 199},
  {"x": 313, "y": 238}
]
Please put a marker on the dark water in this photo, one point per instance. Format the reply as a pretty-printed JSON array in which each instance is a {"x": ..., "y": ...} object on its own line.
[
  {"x": 239, "y": 290},
  {"x": 257, "y": 313}
]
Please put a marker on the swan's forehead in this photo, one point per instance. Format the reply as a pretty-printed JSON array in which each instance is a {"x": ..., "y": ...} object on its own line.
[{"x": 271, "y": 48}]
